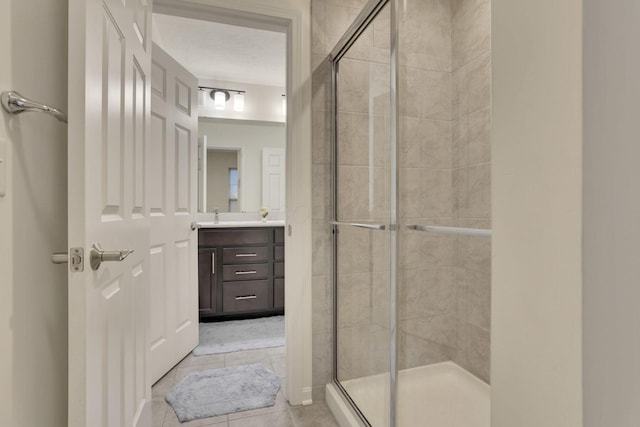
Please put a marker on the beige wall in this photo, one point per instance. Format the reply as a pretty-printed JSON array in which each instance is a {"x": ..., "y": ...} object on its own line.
[
  {"x": 33, "y": 292},
  {"x": 611, "y": 206},
  {"x": 536, "y": 331},
  {"x": 218, "y": 164}
]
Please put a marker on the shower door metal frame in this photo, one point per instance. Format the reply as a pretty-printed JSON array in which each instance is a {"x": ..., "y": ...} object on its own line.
[{"x": 366, "y": 17}]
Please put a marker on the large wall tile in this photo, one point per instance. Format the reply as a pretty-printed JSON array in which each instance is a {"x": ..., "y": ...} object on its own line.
[
  {"x": 354, "y": 299},
  {"x": 425, "y": 35},
  {"x": 321, "y": 131},
  {"x": 321, "y": 87},
  {"x": 440, "y": 329},
  {"x": 473, "y": 346},
  {"x": 424, "y": 250},
  {"x": 471, "y": 30},
  {"x": 415, "y": 351},
  {"x": 321, "y": 238},
  {"x": 436, "y": 144},
  {"x": 426, "y": 293},
  {"x": 321, "y": 195},
  {"x": 318, "y": 21},
  {"x": 474, "y": 297},
  {"x": 353, "y": 95}
]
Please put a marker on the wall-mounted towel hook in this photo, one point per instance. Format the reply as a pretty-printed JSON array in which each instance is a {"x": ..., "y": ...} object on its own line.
[{"x": 15, "y": 103}]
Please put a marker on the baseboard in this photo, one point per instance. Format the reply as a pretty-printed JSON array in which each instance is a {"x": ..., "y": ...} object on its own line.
[{"x": 307, "y": 396}]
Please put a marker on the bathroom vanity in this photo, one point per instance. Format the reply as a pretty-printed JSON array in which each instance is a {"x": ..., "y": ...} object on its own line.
[{"x": 240, "y": 271}]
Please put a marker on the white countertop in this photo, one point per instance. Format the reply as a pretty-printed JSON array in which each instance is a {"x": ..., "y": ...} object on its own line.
[{"x": 239, "y": 224}]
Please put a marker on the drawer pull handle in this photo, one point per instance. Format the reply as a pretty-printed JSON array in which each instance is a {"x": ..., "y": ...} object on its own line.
[
  {"x": 245, "y": 255},
  {"x": 246, "y": 297},
  {"x": 239, "y": 273}
]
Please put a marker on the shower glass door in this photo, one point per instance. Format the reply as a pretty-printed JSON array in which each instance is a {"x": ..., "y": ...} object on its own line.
[{"x": 363, "y": 206}]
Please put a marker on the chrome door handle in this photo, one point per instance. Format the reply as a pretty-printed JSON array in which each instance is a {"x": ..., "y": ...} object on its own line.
[
  {"x": 246, "y": 255},
  {"x": 97, "y": 256}
]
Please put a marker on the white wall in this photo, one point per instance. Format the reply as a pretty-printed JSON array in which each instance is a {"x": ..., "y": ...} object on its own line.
[
  {"x": 611, "y": 213},
  {"x": 33, "y": 292},
  {"x": 536, "y": 332},
  {"x": 251, "y": 137}
]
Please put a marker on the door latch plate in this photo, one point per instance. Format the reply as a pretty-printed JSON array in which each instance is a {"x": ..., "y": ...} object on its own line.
[{"x": 76, "y": 259}]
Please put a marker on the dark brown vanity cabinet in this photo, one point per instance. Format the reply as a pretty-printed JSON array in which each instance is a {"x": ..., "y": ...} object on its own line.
[{"x": 240, "y": 272}]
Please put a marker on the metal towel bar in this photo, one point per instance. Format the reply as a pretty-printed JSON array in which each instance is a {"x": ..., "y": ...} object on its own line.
[
  {"x": 360, "y": 225},
  {"x": 15, "y": 103},
  {"x": 478, "y": 232}
]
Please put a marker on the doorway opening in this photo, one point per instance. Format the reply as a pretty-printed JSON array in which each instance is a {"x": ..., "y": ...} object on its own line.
[{"x": 240, "y": 85}]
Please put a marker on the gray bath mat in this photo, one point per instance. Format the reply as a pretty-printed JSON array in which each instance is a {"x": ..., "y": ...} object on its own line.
[
  {"x": 238, "y": 335},
  {"x": 223, "y": 391}
]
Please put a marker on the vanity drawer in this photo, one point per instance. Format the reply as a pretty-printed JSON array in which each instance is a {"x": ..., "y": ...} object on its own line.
[
  {"x": 278, "y": 253},
  {"x": 220, "y": 237},
  {"x": 245, "y": 254},
  {"x": 245, "y": 296},
  {"x": 245, "y": 271},
  {"x": 278, "y": 269}
]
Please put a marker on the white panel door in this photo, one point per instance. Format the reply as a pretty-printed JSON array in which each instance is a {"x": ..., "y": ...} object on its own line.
[
  {"x": 174, "y": 252},
  {"x": 273, "y": 182},
  {"x": 108, "y": 146},
  {"x": 202, "y": 173}
]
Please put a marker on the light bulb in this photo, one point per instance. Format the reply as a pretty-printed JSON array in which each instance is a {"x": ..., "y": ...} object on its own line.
[
  {"x": 238, "y": 102},
  {"x": 219, "y": 100},
  {"x": 202, "y": 98}
]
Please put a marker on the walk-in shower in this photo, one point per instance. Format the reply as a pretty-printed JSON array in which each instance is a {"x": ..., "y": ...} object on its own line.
[{"x": 411, "y": 215}]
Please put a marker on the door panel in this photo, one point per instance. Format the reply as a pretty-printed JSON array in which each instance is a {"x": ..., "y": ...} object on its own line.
[
  {"x": 273, "y": 179},
  {"x": 174, "y": 124},
  {"x": 108, "y": 142}
]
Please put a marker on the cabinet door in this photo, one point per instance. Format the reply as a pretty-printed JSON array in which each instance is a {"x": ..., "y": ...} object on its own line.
[
  {"x": 278, "y": 293},
  {"x": 207, "y": 281}
]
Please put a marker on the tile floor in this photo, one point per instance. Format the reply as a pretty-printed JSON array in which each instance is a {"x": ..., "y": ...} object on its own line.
[{"x": 280, "y": 415}]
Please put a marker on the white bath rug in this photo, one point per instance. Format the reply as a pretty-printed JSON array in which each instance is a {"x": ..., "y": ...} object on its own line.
[
  {"x": 238, "y": 335},
  {"x": 223, "y": 391}
]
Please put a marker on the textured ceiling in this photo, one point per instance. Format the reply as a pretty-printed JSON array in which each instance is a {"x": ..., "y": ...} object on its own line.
[{"x": 223, "y": 52}]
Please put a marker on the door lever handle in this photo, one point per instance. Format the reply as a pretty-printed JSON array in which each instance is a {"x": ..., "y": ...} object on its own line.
[{"x": 97, "y": 256}]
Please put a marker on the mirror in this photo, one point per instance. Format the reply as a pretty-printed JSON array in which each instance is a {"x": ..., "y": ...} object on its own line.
[{"x": 241, "y": 165}]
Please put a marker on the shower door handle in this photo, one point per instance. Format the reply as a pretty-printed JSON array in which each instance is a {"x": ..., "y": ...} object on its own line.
[{"x": 360, "y": 225}]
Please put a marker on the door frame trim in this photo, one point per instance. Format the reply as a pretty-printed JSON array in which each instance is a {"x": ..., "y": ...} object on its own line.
[{"x": 293, "y": 18}]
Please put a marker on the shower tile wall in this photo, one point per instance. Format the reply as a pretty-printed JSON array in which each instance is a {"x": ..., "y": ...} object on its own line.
[
  {"x": 471, "y": 144},
  {"x": 445, "y": 161},
  {"x": 426, "y": 292},
  {"x": 329, "y": 20}
]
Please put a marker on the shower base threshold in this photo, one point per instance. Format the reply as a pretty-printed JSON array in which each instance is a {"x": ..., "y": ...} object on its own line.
[{"x": 438, "y": 395}]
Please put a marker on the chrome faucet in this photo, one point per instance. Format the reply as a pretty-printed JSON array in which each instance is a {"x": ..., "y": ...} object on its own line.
[{"x": 216, "y": 218}]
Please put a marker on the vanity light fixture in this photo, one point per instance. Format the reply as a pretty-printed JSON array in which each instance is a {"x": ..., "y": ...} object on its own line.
[
  {"x": 202, "y": 97},
  {"x": 220, "y": 97},
  {"x": 238, "y": 102},
  {"x": 284, "y": 104}
]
